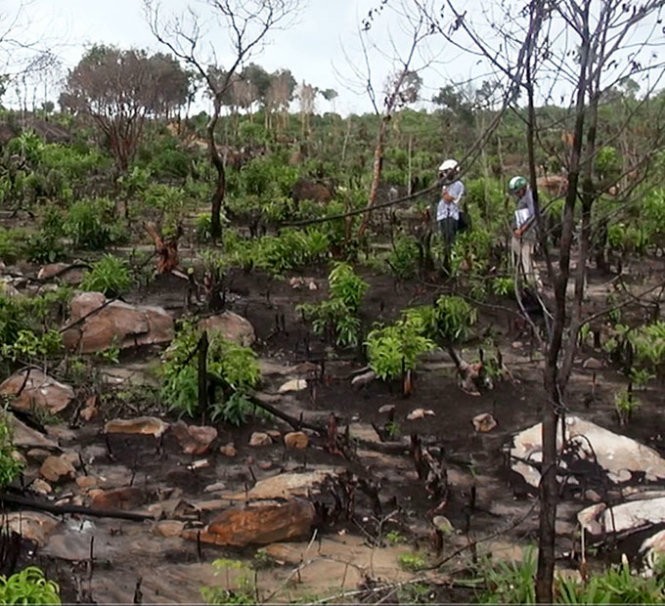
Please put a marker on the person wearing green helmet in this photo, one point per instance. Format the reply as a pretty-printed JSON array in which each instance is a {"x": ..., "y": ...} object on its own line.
[{"x": 524, "y": 228}]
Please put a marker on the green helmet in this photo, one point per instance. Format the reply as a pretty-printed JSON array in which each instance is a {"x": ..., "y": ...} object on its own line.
[{"x": 517, "y": 183}]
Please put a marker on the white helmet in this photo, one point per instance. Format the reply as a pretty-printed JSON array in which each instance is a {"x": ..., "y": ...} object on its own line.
[{"x": 448, "y": 165}]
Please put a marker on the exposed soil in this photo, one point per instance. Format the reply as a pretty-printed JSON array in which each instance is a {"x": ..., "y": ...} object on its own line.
[{"x": 485, "y": 499}]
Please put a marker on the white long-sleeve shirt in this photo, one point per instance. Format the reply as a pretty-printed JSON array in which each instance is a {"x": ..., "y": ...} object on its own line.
[{"x": 450, "y": 210}]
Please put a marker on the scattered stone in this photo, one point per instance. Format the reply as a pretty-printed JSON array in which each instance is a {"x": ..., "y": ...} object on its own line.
[
  {"x": 363, "y": 379},
  {"x": 593, "y": 364},
  {"x": 114, "y": 324},
  {"x": 517, "y": 344},
  {"x": 386, "y": 409},
  {"x": 419, "y": 413},
  {"x": 55, "y": 469},
  {"x": 265, "y": 465},
  {"x": 443, "y": 524},
  {"x": 30, "y": 388},
  {"x": 654, "y": 546},
  {"x": 286, "y": 485},
  {"x": 39, "y": 455},
  {"x": 232, "y": 327},
  {"x": 91, "y": 408},
  {"x": 296, "y": 439},
  {"x": 64, "y": 272},
  {"x": 274, "y": 434},
  {"x": 39, "y": 486},
  {"x": 150, "y": 426},
  {"x": 34, "y": 526},
  {"x": 169, "y": 528},
  {"x": 128, "y": 497},
  {"x": 260, "y": 439},
  {"x": 260, "y": 523},
  {"x": 293, "y": 385},
  {"x": 200, "y": 464},
  {"x": 216, "y": 487},
  {"x": 229, "y": 450},
  {"x": 630, "y": 516},
  {"x": 86, "y": 482},
  {"x": 193, "y": 439},
  {"x": 593, "y": 496},
  {"x": 484, "y": 422},
  {"x": 26, "y": 437},
  {"x": 298, "y": 282}
]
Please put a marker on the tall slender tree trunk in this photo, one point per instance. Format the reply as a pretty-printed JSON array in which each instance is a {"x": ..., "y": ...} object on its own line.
[
  {"x": 220, "y": 180},
  {"x": 377, "y": 167}
]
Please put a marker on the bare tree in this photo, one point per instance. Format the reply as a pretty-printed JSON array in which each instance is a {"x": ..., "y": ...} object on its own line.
[
  {"x": 307, "y": 96},
  {"x": 245, "y": 24},
  {"x": 403, "y": 84},
  {"x": 587, "y": 46}
]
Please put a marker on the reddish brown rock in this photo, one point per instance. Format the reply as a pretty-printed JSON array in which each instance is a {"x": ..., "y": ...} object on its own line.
[
  {"x": 193, "y": 439},
  {"x": 296, "y": 439},
  {"x": 169, "y": 528},
  {"x": 125, "y": 498},
  {"x": 484, "y": 422},
  {"x": 229, "y": 450},
  {"x": 114, "y": 324},
  {"x": 232, "y": 327},
  {"x": 30, "y": 388},
  {"x": 55, "y": 469},
  {"x": 149, "y": 426},
  {"x": 259, "y": 524},
  {"x": 258, "y": 438},
  {"x": 63, "y": 272}
]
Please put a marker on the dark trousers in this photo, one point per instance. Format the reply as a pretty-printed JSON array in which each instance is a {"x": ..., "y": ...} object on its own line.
[{"x": 448, "y": 229}]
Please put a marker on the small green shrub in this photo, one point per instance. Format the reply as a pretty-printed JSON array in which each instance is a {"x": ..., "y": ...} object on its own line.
[
  {"x": 91, "y": 225},
  {"x": 110, "y": 275},
  {"x": 396, "y": 348},
  {"x": 403, "y": 258},
  {"x": 411, "y": 562},
  {"x": 29, "y": 586},
  {"x": 10, "y": 467},
  {"x": 337, "y": 318},
  {"x": 241, "y": 591},
  {"x": 235, "y": 367}
]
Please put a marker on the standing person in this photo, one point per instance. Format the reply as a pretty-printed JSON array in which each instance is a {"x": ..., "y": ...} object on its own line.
[
  {"x": 448, "y": 208},
  {"x": 524, "y": 228}
]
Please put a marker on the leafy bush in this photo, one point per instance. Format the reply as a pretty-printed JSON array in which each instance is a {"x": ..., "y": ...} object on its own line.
[
  {"x": 403, "y": 258},
  {"x": 244, "y": 591},
  {"x": 396, "y": 348},
  {"x": 337, "y": 317},
  {"x": 90, "y": 225},
  {"x": 448, "y": 321},
  {"x": 235, "y": 367},
  {"x": 10, "y": 467},
  {"x": 33, "y": 348},
  {"x": 29, "y": 586},
  {"x": 110, "y": 275},
  {"x": 12, "y": 244}
]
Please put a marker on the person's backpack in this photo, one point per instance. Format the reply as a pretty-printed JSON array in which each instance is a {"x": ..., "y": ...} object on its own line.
[{"x": 464, "y": 222}]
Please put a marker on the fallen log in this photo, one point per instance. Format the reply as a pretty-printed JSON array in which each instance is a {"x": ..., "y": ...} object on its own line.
[{"x": 37, "y": 505}]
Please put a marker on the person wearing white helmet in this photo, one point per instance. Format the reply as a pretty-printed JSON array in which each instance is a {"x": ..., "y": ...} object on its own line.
[
  {"x": 448, "y": 208},
  {"x": 524, "y": 228}
]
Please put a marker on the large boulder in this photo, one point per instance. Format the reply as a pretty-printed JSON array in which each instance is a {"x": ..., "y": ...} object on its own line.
[
  {"x": 620, "y": 457},
  {"x": 260, "y": 523},
  {"x": 96, "y": 325},
  {"x": 31, "y": 389},
  {"x": 231, "y": 326}
]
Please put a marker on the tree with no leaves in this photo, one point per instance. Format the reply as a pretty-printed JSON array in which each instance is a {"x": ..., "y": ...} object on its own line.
[
  {"x": 402, "y": 86},
  {"x": 245, "y": 24}
]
